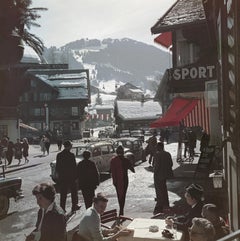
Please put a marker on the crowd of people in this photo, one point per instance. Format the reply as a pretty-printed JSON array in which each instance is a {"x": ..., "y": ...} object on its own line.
[
  {"x": 201, "y": 222},
  {"x": 85, "y": 176},
  {"x": 10, "y": 150}
]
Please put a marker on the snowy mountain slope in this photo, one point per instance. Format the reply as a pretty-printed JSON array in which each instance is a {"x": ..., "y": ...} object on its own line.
[{"x": 120, "y": 60}]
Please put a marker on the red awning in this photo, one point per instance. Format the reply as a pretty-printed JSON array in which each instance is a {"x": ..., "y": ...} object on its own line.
[
  {"x": 164, "y": 39},
  {"x": 192, "y": 112}
]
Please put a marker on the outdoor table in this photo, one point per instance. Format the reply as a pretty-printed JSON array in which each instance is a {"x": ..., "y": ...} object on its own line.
[{"x": 141, "y": 231}]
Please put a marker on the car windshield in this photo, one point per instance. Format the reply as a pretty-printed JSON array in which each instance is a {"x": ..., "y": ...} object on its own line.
[
  {"x": 78, "y": 150},
  {"x": 124, "y": 143}
]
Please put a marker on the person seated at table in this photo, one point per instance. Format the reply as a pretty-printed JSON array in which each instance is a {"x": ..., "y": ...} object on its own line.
[
  {"x": 201, "y": 230},
  {"x": 210, "y": 212},
  {"x": 90, "y": 224},
  {"x": 194, "y": 197}
]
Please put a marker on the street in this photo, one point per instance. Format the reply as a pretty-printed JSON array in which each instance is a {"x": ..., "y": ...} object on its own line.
[{"x": 23, "y": 213}]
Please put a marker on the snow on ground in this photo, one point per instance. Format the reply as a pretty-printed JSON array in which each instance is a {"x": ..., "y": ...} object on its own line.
[
  {"x": 109, "y": 86},
  {"x": 107, "y": 99}
]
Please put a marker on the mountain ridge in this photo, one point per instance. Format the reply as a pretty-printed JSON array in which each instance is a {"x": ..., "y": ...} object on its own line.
[{"x": 124, "y": 60}]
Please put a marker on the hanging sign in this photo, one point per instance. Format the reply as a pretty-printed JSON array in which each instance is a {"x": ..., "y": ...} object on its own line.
[{"x": 194, "y": 72}]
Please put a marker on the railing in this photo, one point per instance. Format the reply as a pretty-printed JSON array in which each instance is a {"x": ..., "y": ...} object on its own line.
[{"x": 232, "y": 236}]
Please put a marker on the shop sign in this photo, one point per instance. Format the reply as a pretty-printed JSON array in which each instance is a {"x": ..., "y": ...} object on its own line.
[{"x": 194, "y": 72}]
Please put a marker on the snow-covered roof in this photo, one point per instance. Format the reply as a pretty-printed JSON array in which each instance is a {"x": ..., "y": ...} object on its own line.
[
  {"x": 182, "y": 12},
  {"x": 135, "y": 110},
  {"x": 136, "y": 90},
  {"x": 68, "y": 85},
  {"x": 103, "y": 107}
]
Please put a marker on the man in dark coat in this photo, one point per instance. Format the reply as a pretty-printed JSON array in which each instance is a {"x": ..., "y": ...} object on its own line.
[
  {"x": 66, "y": 170},
  {"x": 119, "y": 170},
  {"x": 88, "y": 178},
  {"x": 51, "y": 220},
  {"x": 151, "y": 147},
  {"x": 193, "y": 196},
  {"x": 162, "y": 171}
]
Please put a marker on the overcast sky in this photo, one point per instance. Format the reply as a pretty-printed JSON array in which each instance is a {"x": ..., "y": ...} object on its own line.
[{"x": 69, "y": 20}]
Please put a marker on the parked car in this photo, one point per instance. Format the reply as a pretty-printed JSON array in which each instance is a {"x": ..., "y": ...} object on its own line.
[
  {"x": 86, "y": 134},
  {"x": 101, "y": 153},
  {"x": 138, "y": 134},
  {"x": 133, "y": 149},
  {"x": 102, "y": 134},
  {"x": 125, "y": 133},
  {"x": 9, "y": 188}
]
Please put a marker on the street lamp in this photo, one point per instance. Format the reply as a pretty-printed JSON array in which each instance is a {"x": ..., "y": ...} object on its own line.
[
  {"x": 217, "y": 177},
  {"x": 47, "y": 115}
]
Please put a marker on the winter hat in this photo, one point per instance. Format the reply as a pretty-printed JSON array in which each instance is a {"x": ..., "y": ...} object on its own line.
[{"x": 195, "y": 191}]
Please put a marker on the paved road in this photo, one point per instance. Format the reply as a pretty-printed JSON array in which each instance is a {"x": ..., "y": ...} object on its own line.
[{"x": 22, "y": 214}]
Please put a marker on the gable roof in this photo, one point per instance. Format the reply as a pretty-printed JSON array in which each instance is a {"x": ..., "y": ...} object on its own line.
[
  {"x": 136, "y": 110},
  {"x": 69, "y": 84},
  {"x": 182, "y": 12}
]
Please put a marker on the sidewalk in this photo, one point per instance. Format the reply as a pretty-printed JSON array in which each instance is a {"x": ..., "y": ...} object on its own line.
[{"x": 34, "y": 157}]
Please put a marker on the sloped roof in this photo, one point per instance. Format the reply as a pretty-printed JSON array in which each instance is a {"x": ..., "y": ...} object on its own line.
[
  {"x": 136, "y": 110},
  {"x": 181, "y": 13},
  {"x": 70, "y": 85}
]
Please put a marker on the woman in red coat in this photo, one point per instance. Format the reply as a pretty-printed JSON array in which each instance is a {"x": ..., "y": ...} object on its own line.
[{"x": 119, "y": 170}]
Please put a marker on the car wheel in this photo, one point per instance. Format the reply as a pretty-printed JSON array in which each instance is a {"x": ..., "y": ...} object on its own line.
[{"x": 4, "y": 205}]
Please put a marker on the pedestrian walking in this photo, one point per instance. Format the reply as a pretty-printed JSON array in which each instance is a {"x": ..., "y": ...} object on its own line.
[
  {"x": 59, "y": 140},
  {"x": 88, "y": 178},
  {"x": 66, "y": 170},
  {"x": 162, "y": 171},
  {"x": 151, "y": 147},
  {"x": 10, "y": 152},
  {"x": 205, "y": 139},
  {"x": 42, "y": 145},
  {"x": 119, "y": 170},
  {"x": 51, "y": 219},
  {"x": 47, "y": 144},
  {"x": 18, "y": 151},
  {"x": 25, "y": 148},
  {"x": 192, "y": 142}
]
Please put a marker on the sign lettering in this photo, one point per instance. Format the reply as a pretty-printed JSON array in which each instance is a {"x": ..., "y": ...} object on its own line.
[{"x": 196, "y": 72}]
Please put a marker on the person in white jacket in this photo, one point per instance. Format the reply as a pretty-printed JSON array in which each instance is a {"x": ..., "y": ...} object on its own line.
[{"x": 90, "y": 224}]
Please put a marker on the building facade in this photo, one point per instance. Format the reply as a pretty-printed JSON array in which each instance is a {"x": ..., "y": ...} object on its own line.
[
  {"x": 194, "y": 71},
  {"x": 133, "y": 115},
  {"x": 55, "y": 101},
  {"x": 223, "y": 19}
]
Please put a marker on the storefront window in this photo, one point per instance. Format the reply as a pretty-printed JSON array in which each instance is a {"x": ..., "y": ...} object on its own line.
[
  {"x": 187, "y": 52},
  {"x": 75, "y": 126},
  {"x": 74, "y": 111},
  {"x": 211, "y": 88}
]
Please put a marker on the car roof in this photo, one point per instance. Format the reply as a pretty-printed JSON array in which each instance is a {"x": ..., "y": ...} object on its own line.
[
  {"x": 92, "y": 143},
  {"x": 127, "y": 139}
]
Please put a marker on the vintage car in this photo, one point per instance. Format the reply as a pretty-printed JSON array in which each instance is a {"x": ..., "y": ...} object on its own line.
[
  {"x": 133, "y": 149},
  {"x": 125, "y": 133},
  {"x": 101, "y": 153},
  {"x": 138, "y": 134},
  {"x": 9, "y": 188}
]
